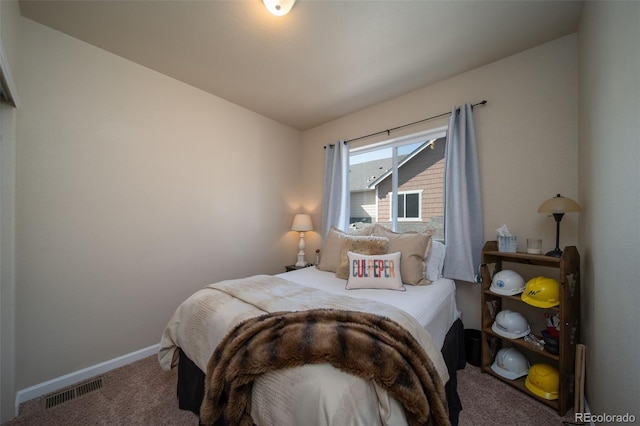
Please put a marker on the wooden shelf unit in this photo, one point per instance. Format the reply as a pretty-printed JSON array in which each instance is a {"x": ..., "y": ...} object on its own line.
[{"x": 568, "y": 274}]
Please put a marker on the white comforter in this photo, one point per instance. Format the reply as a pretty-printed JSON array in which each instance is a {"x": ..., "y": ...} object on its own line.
[{"x": 314, "y": 394}]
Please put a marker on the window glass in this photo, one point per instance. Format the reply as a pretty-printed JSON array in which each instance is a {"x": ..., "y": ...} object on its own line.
[
  {"x": 411, "y": 206},
  {"x": 411, "y": 184},
  {"x": 401, "y": 201}
]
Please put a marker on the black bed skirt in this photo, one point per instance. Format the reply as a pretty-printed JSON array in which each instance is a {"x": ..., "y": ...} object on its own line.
[{"x": 191, "y": 378}]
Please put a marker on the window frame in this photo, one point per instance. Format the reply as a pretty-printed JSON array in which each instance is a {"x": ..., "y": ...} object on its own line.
[
  {"x": 395, "y": 144},
  {"x": 404, "y": 218}
]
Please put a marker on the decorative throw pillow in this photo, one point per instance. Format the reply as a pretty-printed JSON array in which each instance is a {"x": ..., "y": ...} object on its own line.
[
  {"x": 415, "y": 247},
  {"x": 330, "y": 252},
  {"x": 435, "y": 260},
  {"x": 378, "y": 271},
  {"x": 362, "y": 245}
]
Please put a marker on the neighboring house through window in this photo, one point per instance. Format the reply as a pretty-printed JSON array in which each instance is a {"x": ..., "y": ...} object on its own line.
[
  {"x": 399, "y": 183},
  {"x": 409, "y": 205}
]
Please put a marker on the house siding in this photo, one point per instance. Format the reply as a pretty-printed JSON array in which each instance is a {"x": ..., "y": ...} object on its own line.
[
  {"x": 414, "y": 176},
  {"x": 363, "y": 205}
]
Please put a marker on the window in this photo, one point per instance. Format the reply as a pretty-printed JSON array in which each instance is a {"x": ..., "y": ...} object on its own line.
[
  {"x": 409, "y": 204},
  {"x": 399, "y": 183}
]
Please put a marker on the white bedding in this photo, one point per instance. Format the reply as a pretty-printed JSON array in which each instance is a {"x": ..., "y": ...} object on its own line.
[
  {"x": 434, "y": 305},
  {"x": 286, "y": 397}
]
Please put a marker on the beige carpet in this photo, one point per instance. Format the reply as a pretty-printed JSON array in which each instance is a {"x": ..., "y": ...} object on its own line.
[
  {"x": 142, "y": 394},
  {"x": 136, "y": 394},
  {"x": 488, "y": 401}
]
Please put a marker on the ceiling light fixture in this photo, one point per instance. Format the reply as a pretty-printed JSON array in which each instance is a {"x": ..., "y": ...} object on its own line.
[{"x": 279, "y": 7}]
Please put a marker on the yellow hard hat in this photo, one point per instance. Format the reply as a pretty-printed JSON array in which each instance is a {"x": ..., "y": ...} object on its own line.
[
  {"x": 542, "y": 292},
  {"x": 543, "y": 380}
]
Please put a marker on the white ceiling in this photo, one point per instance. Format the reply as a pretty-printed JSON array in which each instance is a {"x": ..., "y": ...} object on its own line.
[{"x": 323, "y": 60}]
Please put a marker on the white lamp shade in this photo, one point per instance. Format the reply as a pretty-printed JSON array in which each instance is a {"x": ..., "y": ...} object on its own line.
[
  {"x": 302, "y": 223},
  {"x": 279, "y": 7},
  {"x": 559, "y": 204}
]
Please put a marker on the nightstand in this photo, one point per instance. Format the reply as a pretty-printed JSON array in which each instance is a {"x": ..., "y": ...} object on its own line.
[{"x": 294, "y": 267}]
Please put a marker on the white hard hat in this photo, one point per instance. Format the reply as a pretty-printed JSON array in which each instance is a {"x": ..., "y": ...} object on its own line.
[
  {"x": 507, "y": 283},
  {"x": 510, "y": 364},
  {"x": 511, "y": 325}
]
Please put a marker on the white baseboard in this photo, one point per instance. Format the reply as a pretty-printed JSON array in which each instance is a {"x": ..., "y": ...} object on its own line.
[{"x": 81, "y": 375}]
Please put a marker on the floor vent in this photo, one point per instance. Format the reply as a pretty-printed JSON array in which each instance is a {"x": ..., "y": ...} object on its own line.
[{"x": 69, "y": 394}]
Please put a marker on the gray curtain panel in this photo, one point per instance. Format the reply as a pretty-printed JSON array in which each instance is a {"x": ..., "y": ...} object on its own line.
[
  {"x": 335, "y": 196},
  {"x": 464, "y": 233}
]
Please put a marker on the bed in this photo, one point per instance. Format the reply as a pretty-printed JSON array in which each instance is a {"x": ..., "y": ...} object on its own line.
[{"x": 299, "y": 395}]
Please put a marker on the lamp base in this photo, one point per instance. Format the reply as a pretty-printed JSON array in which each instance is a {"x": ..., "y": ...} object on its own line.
[
  {"x": 556, "y": 252},
  {"x": 301, "y": 262}
]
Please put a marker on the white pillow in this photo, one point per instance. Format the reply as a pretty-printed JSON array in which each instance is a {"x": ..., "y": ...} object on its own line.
[
  {"x": 435, "y": 260},
  {"x": 381, "y": 271}
]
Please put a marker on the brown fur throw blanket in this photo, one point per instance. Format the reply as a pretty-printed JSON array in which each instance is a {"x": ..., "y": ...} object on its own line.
[{"x": 365, "y": 345}]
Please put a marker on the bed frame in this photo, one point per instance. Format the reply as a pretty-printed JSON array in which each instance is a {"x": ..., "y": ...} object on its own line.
[{"x": 191, "y": 379}]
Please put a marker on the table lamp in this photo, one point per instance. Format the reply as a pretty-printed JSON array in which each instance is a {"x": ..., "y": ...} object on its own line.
[
  {"x": 558, "y": 206},
  {"x": 301, "y": 223}
]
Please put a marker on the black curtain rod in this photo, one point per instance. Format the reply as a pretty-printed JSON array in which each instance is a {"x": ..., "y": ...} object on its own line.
[{"x": 388, "y": 131}]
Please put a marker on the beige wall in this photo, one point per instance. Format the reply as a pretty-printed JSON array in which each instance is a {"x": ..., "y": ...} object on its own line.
[
  {"x": 527, "y": 139},
  {"x": 609, "y": 228},
  {"x": 134, "y": 190},
  {"x": 125, "y": 205}
]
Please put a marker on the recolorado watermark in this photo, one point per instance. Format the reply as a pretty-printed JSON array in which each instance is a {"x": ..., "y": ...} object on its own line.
[{"x": 604, "y": 418}]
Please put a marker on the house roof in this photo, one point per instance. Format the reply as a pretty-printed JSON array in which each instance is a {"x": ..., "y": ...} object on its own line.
[
  {"x": 367, "y": 175},
  {"x": 323, "y": 60},
  {"x": 402, "y": 160},
  {"x": 362, "y": 174}
]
